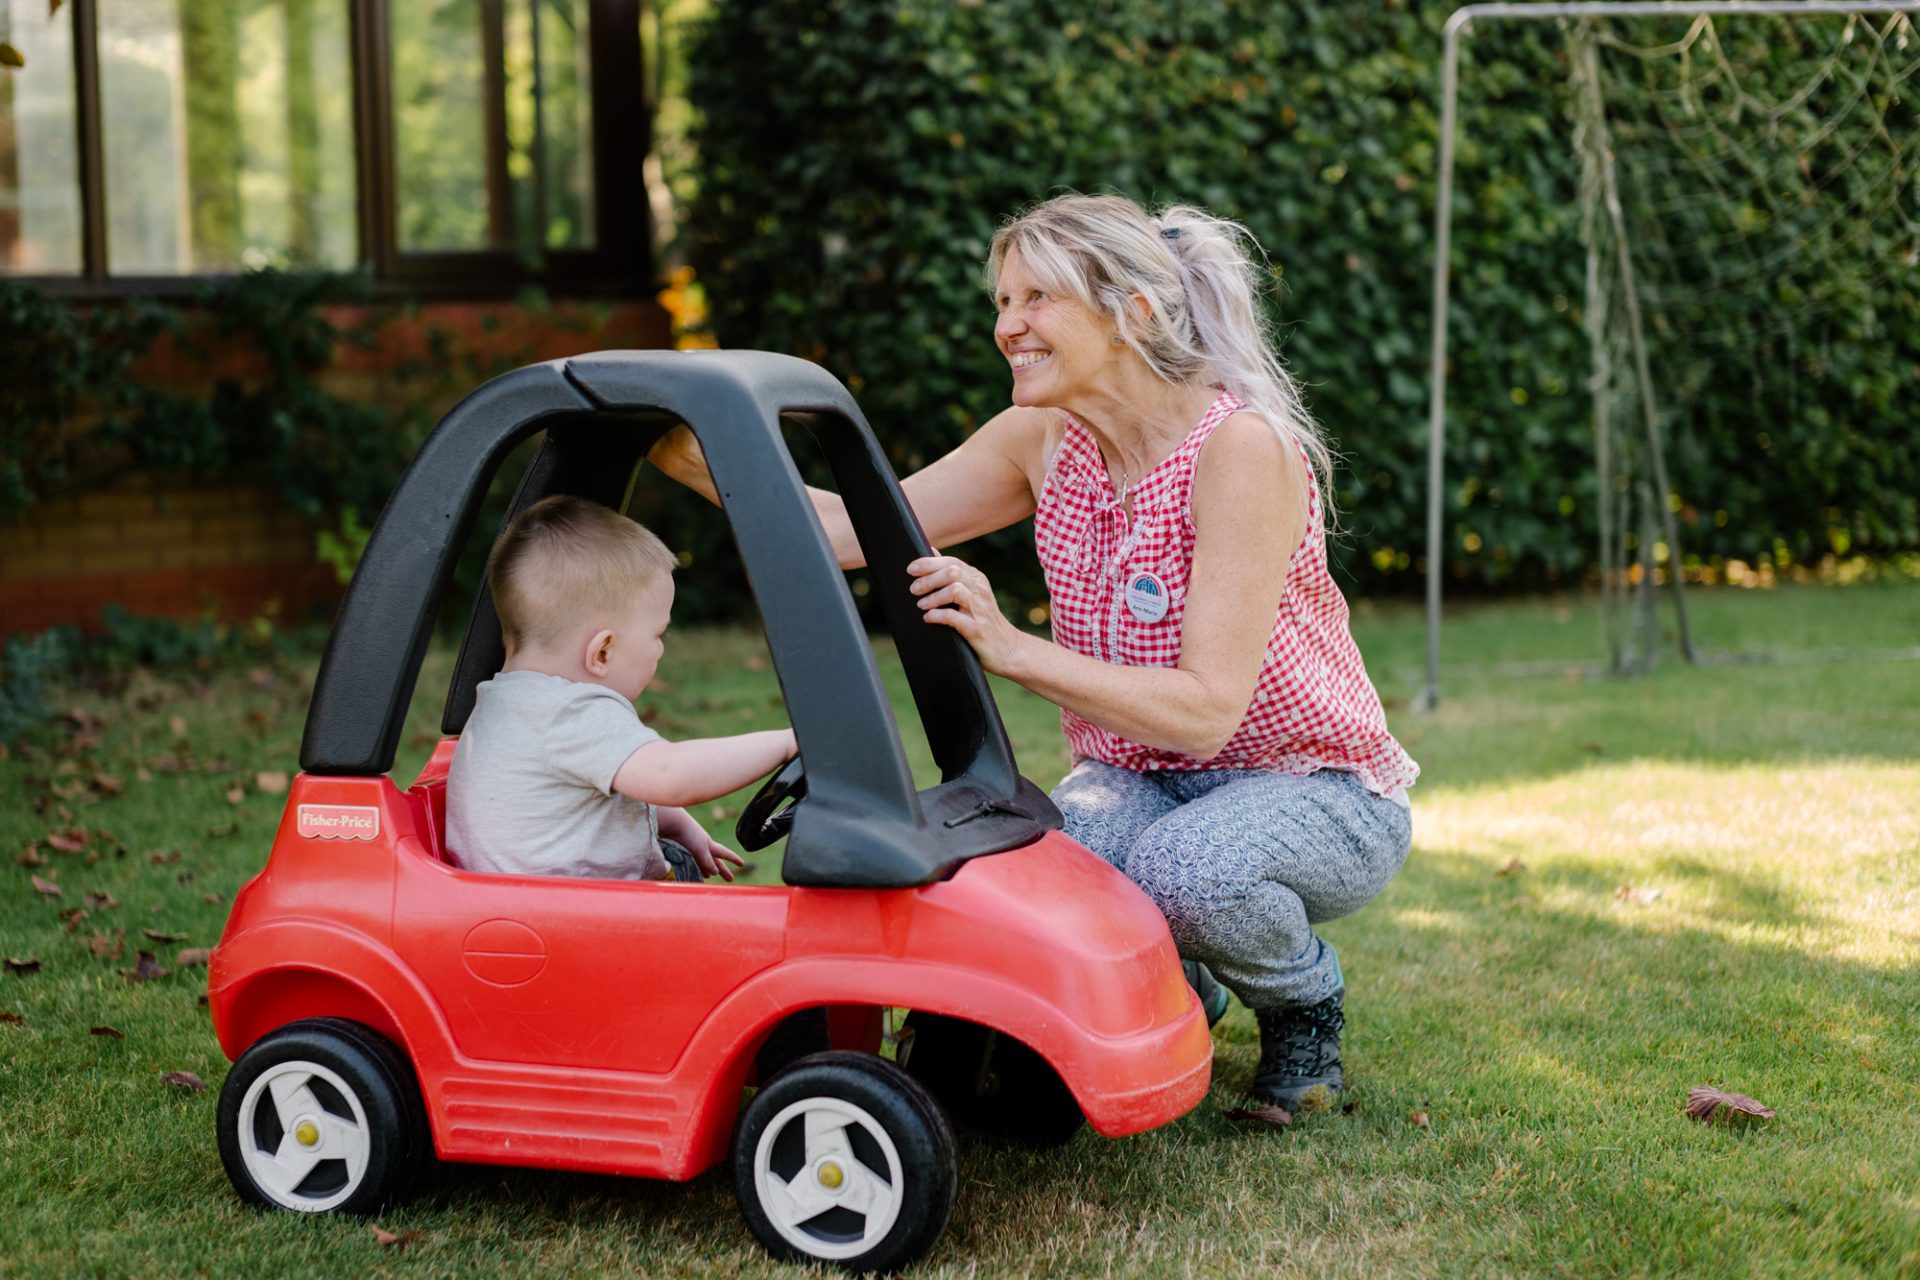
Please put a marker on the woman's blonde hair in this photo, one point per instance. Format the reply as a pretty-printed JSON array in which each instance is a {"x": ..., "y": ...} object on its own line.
[
  {"x": 566, "y": 561},
  {"x": 1202, "y": 277}
]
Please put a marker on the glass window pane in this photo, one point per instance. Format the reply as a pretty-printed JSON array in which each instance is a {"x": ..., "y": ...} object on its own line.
[
  {"x": 448, "y": 154},
  {"x": 492, "y": 125},
  {"x": 566, "y": 119},
  {"x": 228, "y": 136},
  {"x": 39, "y": 144}
]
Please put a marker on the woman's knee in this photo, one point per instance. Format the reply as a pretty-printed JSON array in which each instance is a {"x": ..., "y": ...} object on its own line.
[{"x": 1107, "y": 807}]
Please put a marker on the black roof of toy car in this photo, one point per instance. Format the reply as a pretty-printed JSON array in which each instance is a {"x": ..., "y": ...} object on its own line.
[{"x": 863, "y": 823}]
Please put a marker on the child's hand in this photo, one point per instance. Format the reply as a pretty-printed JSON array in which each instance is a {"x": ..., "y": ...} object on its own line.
[{"x": 713, "y": 856}]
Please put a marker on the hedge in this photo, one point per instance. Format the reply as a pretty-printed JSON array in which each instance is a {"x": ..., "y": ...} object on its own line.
[{"x": 857, "y": 155}]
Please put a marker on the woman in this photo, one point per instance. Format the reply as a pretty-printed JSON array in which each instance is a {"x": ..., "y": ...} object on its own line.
[{"x": 1230, "y": 754}]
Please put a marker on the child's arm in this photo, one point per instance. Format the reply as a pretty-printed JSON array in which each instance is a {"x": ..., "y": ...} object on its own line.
[
  {"x": 711, "y": 856},
  {"x": 675, "y": 774}
]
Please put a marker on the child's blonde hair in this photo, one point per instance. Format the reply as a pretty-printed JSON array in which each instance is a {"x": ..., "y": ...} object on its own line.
[{"x": 565, "y": 561}]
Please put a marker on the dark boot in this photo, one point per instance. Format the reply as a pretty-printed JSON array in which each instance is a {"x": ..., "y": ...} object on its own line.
[
  {"x": 1299, "y": 1055},
  {"x": 1213, "y": 996}
]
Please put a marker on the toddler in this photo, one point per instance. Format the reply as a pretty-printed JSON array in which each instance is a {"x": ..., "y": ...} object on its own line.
[{"x": 555, "y": 774}]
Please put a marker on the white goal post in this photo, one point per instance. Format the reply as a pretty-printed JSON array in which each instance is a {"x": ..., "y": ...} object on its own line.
[{"x": 1443, "y": 226}]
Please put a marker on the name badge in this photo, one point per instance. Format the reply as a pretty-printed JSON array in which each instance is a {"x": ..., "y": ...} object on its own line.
[{"x": 1147, "y": 598}]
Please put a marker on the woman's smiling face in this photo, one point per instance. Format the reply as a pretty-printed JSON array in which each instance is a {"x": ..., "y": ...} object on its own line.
[{"x": 1057, "y": 348}]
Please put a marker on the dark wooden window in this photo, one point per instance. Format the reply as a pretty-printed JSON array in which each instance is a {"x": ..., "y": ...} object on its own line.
[{"x": 444, "y": 146}]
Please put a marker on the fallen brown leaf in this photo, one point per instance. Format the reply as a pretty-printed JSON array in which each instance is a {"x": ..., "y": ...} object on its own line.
[
  {"x": 72, "y": 841},
  {"x": 190, "y": 957},
  {"x": 1707, "y": 1104},
  {"x": 73, "y": 916},
  {"x": 1513, "y": 868},
  {"x": 261, "y": 678},
  {"x": 392, "y": 1239},
  {"x": 1278, "y": 1117},
  {"x": 1639, "y": 897},
  {"x": 105, "y": 946},
  {"x": 271, "y": 782},
  {"x": 212, "y": 897},
  {"x": 21, "y": 967},
  {"x": 142, "y": 774},
  {"x": 161, "y": 935},
  {"x": 235, "y": 795},
  {"x": 1420, "y": 1120},
  {"x": 97, "y": 901},
  {"x": 163, "y": 857},
  {"x": 171, "y": 764},
  {"x": 108, "y": 1033},
  {"x": 12, "y": 1019},
  {"x": 45, "y": 888},
  {"x": 178, "y": 725},
  {"x": 32, "y": 857},
  {"x": 108, "y": 785},
  {"x": 184, "y": 1080},
  {"x": 145, "y": 968},
  {"x": 224, "y": 830}
]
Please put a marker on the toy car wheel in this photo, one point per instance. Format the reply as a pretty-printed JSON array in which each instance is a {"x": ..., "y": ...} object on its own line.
[
  {"x": 321, "y": 1116},
  {"x": 843, "y": 1158},
  {"x": 990, "y": 1083}
]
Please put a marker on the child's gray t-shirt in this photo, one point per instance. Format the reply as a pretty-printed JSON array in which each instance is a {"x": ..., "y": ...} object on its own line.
[{"x": 530, "y": 790}]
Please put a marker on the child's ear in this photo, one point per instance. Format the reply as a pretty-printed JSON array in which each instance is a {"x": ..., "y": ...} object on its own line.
[{"x": 599, "y": 652}]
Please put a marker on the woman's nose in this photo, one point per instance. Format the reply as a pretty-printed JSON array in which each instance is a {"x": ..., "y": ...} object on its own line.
[{"x": 1009, "y": 324}]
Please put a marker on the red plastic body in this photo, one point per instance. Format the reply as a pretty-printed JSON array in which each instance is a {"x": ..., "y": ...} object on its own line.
[{"x": 610, "y": 1025}]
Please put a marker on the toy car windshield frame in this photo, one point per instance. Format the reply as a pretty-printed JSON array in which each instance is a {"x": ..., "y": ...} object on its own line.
[{"x": 863, "y": 823}]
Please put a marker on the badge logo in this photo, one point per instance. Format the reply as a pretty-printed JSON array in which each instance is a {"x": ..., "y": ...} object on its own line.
[
  {"x": 338, "y": 822},
  {"x": 1147, "y": 597}
]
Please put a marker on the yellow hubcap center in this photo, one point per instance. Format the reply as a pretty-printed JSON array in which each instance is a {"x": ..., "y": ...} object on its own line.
[
  {"x": 831, "y": 1176},
  {"x": 306, "y": 1133}
]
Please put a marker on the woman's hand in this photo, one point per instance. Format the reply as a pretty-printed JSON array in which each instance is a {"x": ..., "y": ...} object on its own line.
[
  {"x": 955, "y": 594},
  {"x": 679, "y": 455}
]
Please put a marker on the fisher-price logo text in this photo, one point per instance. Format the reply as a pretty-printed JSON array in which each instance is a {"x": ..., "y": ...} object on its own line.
[{"x": 339, "y": 822}]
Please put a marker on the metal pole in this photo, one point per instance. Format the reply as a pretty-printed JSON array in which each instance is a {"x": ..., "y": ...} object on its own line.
[{"x": 1443, "y": 226}]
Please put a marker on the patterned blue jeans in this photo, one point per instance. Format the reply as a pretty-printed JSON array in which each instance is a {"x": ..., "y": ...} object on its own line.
[{"x": 1243, "y": 862}]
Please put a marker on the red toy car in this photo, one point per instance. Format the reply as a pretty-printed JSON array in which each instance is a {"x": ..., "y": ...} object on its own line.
[{"x": 382, "y": 1005}]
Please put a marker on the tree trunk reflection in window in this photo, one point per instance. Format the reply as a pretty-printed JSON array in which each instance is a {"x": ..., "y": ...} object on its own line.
[{"x": 223, "y": 149}]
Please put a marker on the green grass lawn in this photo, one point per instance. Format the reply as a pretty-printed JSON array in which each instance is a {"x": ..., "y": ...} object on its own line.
[{"x": 1547, "y": 1027}]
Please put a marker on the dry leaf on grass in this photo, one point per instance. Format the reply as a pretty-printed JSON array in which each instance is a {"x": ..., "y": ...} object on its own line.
[
  {"x": 97, "y": 901},
  {"x": 1707, "y": 1104},
  {"x": 145, "y": 968},
  {"x": 212, "y": 897},
  {"x": 23, "y": 967},
  {"x": 12, "y": 1019},
  {"x": 163, "y": 857},
  {"x": 184, "y": 1080},
  {"x": 1420, "y": 1120},
  {"x": 1513, "y": 868},
  {"x": 31, "y": 857},
  {"x": 105, "y": 946},
  {"x": 108, "y": 785},
  {"x": 107, "y": 1033},
  {"x": 69, "y": 841},
  {"x": 1638, "y": 897},
  {"x": 1278, "y": 1117},
  {"x": 188, "y": 957},
  {"x": 224, "y": 830},
  {"x": 392, "y": 1239},
  {"x": 161, "y": 935},
  {"x": 45, "y": 888},
  {"x": 235, "y": 795},
  {"x": 178, "y": 724},
  {"x": 73, "y": 916},
  {"x": 271, "y": 782}
]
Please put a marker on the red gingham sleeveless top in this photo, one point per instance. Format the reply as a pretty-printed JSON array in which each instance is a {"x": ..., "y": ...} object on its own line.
[{"x": 1313, "y": 708}]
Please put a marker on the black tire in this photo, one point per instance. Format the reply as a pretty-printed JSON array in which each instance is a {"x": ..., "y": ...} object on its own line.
[
  {"x": 989, "y": 1082},
  {"x": 359, "y": 1097},
  {"x": 870, "y": 1193}
]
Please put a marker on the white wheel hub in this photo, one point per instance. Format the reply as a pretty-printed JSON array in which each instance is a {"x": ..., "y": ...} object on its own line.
[
  {"x": 833, "y": 1174},
  {"x": 306, "y": 1100}
]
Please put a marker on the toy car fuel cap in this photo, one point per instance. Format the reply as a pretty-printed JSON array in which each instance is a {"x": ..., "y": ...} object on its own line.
[{"x": 1146, "y": 597}]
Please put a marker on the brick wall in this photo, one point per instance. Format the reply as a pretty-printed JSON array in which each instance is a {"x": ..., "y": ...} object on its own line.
[
  {"x": 159, "y": 548},
  {"x": 163, "y": 546}
]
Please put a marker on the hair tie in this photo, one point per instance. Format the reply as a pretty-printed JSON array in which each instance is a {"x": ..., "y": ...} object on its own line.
[{"x": 1169, "y": 233}]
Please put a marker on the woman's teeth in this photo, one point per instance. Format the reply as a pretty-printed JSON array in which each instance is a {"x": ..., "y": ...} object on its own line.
[{"x": 1022, "y": 359}]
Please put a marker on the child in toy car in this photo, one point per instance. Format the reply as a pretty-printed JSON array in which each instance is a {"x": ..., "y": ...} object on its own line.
[{"x": 555, "y": 774}]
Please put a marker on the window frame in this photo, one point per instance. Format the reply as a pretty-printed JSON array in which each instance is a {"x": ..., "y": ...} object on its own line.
[{"x": 620, "y": 263}]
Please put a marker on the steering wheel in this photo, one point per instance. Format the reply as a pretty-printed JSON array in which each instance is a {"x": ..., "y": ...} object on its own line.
[{"x": 769, "y": 815}]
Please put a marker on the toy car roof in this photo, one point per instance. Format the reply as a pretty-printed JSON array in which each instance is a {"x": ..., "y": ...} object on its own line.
[{"x": 863, "y": 822}]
